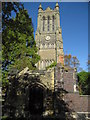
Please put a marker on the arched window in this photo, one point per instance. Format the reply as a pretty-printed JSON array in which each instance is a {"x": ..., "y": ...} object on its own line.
[
  {"x": 48, "y": 45},
  {"x": 53, "y": 23},
  {"x": 43, "y": 45},
  {"x": 43, "y": 23},
  {"x": 48, "y": 22}
]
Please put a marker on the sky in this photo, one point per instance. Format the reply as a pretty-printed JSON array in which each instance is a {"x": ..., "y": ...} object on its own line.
[{"x": 74, "y": 25}]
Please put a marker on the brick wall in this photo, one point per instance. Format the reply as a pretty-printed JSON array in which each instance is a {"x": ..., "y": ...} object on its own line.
[{"x": 76, "y": 102}]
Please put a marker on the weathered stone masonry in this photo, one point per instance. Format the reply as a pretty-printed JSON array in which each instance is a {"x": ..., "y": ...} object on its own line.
[
  {"x": 49, "y": 40},
  {"x": 50, "y": 46},
  {"x": 35, "y": 90}
]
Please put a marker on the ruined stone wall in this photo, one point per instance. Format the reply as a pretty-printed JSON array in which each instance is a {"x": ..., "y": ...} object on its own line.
[
  {"x": 77, "y": 102},
  {"x": 48, "y": 79},
  {"x": 67, "y": 79}
]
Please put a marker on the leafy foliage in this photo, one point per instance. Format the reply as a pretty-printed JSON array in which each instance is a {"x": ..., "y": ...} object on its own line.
[
  {"x": 67, "y": 59},
  {"x": 18, "y": 45},
  {"x": 75, "y": 62},
  {"x": 52, "y": 65},
  {"x": 7, "y": 22},
  {"x": 88, "y": 63},
  {"x": 7, "y": 9},
  {"x": 71, "y": 61},
  {"x": 84, "y": 82}
]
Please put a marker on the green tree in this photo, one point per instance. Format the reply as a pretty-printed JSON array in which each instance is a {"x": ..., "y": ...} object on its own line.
[
  {"x": 84, "y": 82},
  {"x": 88, "y": 63},
  {"x": 7, "y": 22},
  {"x": 19, "y": 47},
  {"x": 7, "y": 9}
]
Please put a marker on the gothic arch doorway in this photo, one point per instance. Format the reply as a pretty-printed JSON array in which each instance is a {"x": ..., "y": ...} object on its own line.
[{"x": 36, "y": 98}]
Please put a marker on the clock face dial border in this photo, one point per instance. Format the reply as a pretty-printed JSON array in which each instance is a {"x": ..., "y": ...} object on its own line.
[{"x": 47, "y": 37}]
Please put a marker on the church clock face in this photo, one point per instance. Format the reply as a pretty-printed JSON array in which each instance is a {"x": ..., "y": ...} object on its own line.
[{"x": 47, "y": 37}]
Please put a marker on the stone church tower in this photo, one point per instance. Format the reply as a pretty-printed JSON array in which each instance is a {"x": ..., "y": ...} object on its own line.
[
  {"x": 49, "y": 37},
  {"x": 52, "y": 93}
]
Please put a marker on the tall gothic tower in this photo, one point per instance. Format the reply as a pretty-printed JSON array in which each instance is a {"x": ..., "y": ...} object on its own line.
[{"x": 49, "y": 37}]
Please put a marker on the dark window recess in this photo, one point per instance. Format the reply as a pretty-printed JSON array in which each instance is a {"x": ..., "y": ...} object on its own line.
[
  {"x": 66, "y": 70},
  {"x": 53, "y": 23},
  {"x": 48, "y": 23},
  {"x": 43, "y": 23},
  {"x": 36, "y": 101}
]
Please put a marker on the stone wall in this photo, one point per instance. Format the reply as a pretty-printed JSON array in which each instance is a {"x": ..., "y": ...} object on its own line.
[
  {"x": 67, "y": 79},
  {"x": 77, "y": 102},
  {"x": 49, "y": 42},
  {"x": 48, "y": 79}
]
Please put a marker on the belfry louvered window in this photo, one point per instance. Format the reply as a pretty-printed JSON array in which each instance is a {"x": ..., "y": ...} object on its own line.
[
  {"x": 43, "y": 23},
  {"x": 48, "y": 23},
  {"x": 53, "y": 23}
]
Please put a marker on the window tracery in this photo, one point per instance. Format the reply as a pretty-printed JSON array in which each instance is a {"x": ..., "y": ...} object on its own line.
[
  {"x": 53, "y": 23},
  {"x": 48, "y": 23},
  {"x": 43, "y": 23}
]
